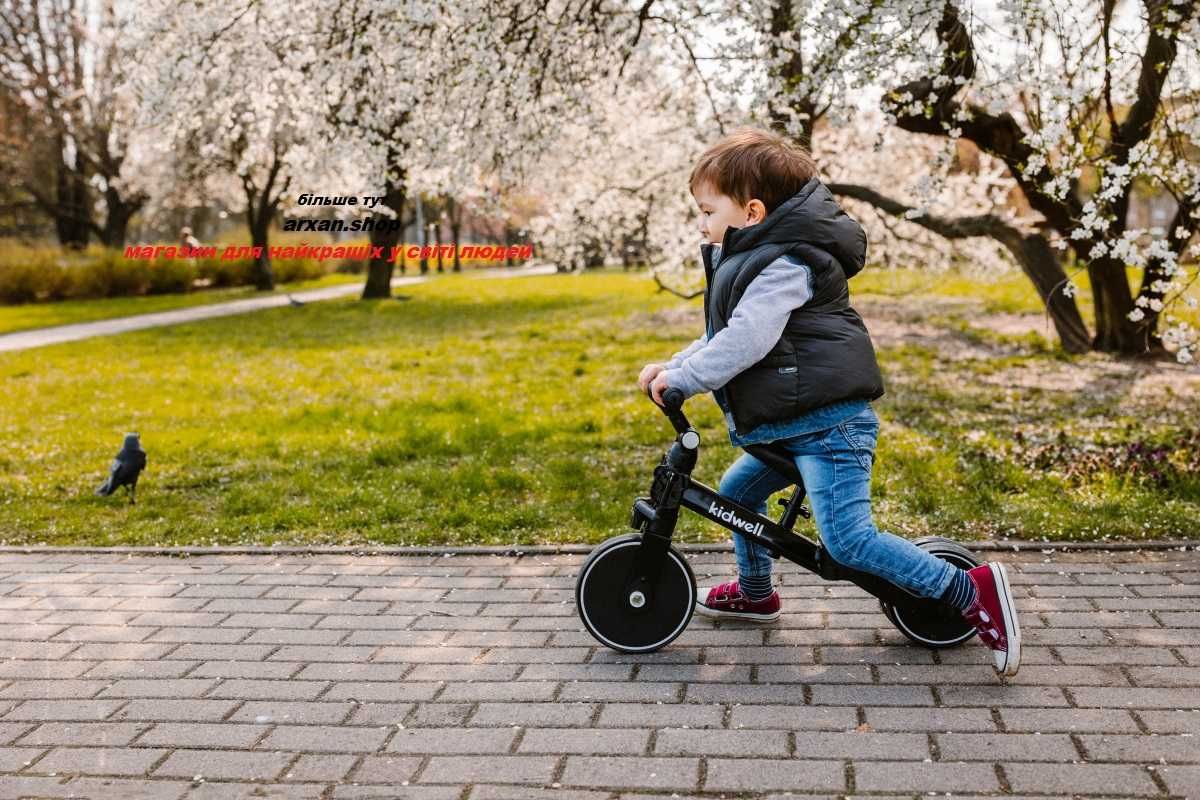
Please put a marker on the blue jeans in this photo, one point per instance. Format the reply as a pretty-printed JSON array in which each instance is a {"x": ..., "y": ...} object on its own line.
[{"x": 836, "y": 467}]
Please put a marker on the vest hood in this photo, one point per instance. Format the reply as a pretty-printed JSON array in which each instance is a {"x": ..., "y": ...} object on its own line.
[{"x": 811, "y": 216}]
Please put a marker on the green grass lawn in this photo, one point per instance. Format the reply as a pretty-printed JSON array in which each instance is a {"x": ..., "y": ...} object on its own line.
[
  {"x": 506, "y": 411},
  {"x": 43, "y": 315}
]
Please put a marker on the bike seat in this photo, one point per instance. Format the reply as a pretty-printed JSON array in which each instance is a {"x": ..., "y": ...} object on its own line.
[{"x": 777, "y": 458}]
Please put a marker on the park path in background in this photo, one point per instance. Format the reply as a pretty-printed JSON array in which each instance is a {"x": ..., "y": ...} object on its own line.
[
  {"x": 339, "y": 676},
  {"x": 41, "y": 337}
]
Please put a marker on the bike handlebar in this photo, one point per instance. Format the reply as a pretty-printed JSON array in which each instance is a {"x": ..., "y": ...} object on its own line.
[{"x": 672, "y": 406}]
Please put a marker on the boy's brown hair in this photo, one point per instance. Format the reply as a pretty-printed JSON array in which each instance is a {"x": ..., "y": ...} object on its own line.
[{"x": 753, "y": 163}]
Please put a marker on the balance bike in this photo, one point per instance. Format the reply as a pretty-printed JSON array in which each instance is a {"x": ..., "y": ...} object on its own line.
[{"x": 636, "y": 592}]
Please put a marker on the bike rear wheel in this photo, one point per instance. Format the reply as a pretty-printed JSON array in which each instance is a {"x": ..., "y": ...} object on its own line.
[{"x": 942, "y": 626}]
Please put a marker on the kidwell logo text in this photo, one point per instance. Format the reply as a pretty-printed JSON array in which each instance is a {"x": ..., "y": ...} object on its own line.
[{"x": 733, "y": 519}]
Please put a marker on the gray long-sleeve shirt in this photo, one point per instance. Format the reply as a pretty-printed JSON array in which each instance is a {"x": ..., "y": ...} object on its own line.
[{"x": 753, "y": 329}]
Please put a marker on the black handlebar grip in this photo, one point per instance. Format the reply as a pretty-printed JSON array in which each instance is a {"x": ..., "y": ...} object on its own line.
[{"x": 672, "y": 399}]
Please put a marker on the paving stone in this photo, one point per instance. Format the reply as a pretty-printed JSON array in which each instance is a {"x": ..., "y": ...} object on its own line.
[
  {"x": 176, "y": 710},
  {"x": 622, "y": 772},
  {"x": 140, "y": 669},
  {"x": 222, "y": 651},
  {"x": 879, "y": 695},
  {"x": 98, "y": 760},
  {"x": 637, "y": 691},
  {"x": 1071, "y": 720},
  {"x": 1118, "y": 697},
  {"x": 352, "y": 672},
  {"x": 1124, "y": 780},
  {"x": 489, "y": 769},
  {"x": 202, "y": 734},
  {"x": 930, "y": 719},
  {"x": 1171, "y": 721},
  {"x": 759, "y": 774},
  {"x": 1006, "y": 747},
  {"x": 81, "y": 710},
  {"x": 268, "y": 690},
  {"x": 1166, "y": 676},
  {"x": 285, "y": 712},
  {"x": 39, "y": 650},
  {"x": 628, "y": 715},
  {"x": 914, "y": 776},
  {"x": 223, "y": 764},
  {"x": 487, "y": 792},
  {"x": 390, "y": 714},
  {"x": 1003, "y": 696},
  {"x": 31, "y": 669},
  {"x": 123, "y": 651},
  {"x": 470, "y": 672},
  {"x": 1181, "y": 780},
  {"x": 1141, "y": 749},
  {"x": 677, "y": 741},
  {"x": 326, "y": 739},
  {"x": 47, "y": 787},
  {"x": 52, "y": 689},
  {"x": 320, "y": 767},
  {"x": 397, "y": 792},
  {"x": 585, "y": 741},
  {"x": 436, "y": 715},
  {"x": 252, "y": 670},
  {"x": 10, "y": 731},
  {"x": 181, "y": 688},
  {"x": 861, "y": 745},
  {"x": 453, "y": 740},
  {"x": 382, "y": 691},
  {"x": 14, "y": 759}
]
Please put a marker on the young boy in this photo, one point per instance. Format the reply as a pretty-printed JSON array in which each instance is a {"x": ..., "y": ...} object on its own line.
[{"x": 789, "y": 360}]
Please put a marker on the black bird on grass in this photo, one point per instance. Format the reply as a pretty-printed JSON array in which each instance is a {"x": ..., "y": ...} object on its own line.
[{"x": 126, "y": 468}]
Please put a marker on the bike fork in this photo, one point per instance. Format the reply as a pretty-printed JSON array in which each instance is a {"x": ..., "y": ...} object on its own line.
[{"x": 656, "y": 517}]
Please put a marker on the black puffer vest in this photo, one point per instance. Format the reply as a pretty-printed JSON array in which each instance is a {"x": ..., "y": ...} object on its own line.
[{"x": 825, "y": 353}]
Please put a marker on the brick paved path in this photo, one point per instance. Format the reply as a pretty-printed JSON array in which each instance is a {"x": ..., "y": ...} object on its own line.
[{"x": 334, "y": 676}]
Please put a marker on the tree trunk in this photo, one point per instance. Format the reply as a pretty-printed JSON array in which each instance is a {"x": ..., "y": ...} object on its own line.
[
  {"x": 263, "y": 276},
  {"x": 1112, "y": 302},
  {"x": 379, "y": 270},
  {"x": 1040, "y": 264},
  {"x": 437, "y": 242},
  {"x": 120, "y": 211},
  {"x": 455, "y": 230},
  {"x": 72, "y": 215},
  {"x": 1148, "y": 326},
  {"x": 422, "y": 236}
]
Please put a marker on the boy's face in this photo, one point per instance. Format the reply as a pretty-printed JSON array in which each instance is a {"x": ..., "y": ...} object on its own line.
[{"x": 719, "y": 212}]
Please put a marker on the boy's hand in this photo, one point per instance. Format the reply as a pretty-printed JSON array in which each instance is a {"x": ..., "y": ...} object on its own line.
[
  {"x": 658, "y": 386},
  {"x": 649, "y": 373}
]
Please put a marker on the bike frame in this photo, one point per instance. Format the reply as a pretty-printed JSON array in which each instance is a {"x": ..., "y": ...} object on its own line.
[{"x": 673, "y": 488}]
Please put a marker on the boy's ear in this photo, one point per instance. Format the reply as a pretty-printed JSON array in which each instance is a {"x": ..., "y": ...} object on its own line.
[{"x": 756, "y": 212}]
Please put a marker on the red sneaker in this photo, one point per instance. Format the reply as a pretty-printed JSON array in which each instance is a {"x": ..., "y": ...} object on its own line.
[
  {"x": 727, "y": 601},
  {"x": 994, "y": 615}
]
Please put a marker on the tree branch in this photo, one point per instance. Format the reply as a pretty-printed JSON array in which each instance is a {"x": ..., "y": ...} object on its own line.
[
  {"x": 948, "y": 227},
  {"x": 998, "y": 134},
  {"x": 662, "y": 287}
]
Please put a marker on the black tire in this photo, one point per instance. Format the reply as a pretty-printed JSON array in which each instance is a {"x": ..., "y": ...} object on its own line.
[
  {"x": 946, "y": 628},
  {"x": 612, "y": 620}
]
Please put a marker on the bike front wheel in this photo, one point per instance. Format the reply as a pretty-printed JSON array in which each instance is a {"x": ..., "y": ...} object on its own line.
[{"x": 633, "y": 622}]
